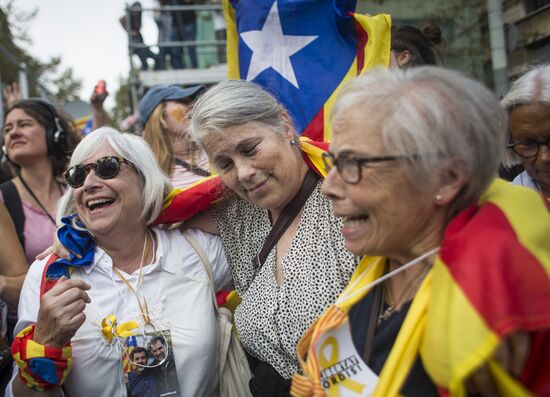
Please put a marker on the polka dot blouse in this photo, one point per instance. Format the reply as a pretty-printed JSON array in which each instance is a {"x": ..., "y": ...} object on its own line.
[{"x": 272, "y": 318}]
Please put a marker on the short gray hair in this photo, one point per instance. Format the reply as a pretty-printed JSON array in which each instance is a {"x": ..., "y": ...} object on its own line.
[
  {"x": 532, "y": 87},
  {"x": 232, "y": 103},
  {"x": 433, "y": 113},
  {"x": 134, "y": 149}
]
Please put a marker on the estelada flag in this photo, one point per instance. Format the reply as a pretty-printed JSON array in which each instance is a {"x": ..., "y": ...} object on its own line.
[{"x": 303, "y": 52}]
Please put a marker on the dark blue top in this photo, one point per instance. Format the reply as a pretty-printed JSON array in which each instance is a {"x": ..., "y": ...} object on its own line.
[
  {"x": 144, "y": 385},
  {"x": 417, "y": 384}
]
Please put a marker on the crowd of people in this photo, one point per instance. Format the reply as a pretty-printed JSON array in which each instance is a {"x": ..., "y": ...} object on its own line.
[
  {"x": 177, "y": 34},
  {"x": 375, "y": 252}
]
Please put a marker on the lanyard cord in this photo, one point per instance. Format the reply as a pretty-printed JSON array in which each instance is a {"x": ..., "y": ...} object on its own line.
[
  {"x": 36, "y": 199},
  {"x": 353, "y": 292},
  {"x": 144, "y": 313}
]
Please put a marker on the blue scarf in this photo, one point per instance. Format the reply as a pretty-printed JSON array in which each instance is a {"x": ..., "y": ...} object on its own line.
[{"x": 78, "y": 242}]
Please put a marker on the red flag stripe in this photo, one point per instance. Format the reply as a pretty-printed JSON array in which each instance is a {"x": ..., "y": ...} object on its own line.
[
  {"x": 316, "y": 127},
  {"x": 537, "y": 367},
  {"x": 362, "y": 40},
  {"x": 192, "y": 201},
  {"x": 511, "y": 291}
]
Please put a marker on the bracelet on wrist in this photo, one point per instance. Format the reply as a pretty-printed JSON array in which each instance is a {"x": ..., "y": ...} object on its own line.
[{"x": 40, "y": 367}]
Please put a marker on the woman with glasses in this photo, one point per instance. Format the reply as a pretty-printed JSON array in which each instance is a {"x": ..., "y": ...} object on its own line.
[
  {"x": 456, "y": 299},
  {"x": 127, "y": 284},
  {"x": 528, "y": 106}
]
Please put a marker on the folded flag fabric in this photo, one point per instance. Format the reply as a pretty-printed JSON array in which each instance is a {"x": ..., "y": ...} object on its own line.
[
  {"x": 40, "y": 367},
  {"x": 182, "y": 204},
  {"x": 303, "y": 51}
]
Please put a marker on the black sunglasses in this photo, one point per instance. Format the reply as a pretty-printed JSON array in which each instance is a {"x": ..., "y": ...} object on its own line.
[{"x": 106, "y": 168}]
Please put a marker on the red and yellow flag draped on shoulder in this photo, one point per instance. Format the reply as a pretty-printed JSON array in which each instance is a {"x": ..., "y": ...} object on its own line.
[{"x": 490, "y": 280}]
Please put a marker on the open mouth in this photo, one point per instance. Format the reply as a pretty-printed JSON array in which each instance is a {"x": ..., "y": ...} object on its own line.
[
  {"x": 94, "y": 204},
  {"x": 354, "y": 220}
]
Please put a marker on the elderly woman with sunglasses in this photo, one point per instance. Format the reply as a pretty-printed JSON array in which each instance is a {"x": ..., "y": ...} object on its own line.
[
  {"x": 528, "y": 105},
  {"x": 456, "y": 300},
  {"x": 131, "y": 279}
]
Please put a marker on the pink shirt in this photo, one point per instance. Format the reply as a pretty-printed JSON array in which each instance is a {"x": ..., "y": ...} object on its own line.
[
  {"x": 38, "y": 230},
  {"x": 182, "y": 178}
]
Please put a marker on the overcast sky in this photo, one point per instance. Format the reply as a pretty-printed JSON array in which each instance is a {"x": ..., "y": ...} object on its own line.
[{"x": 88, "y": 36}]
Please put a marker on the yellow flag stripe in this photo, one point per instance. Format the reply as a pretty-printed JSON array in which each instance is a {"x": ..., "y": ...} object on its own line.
[
  {"x": 232, "y": 45},
  {"x": 377, "y": 51},
  {"x": 521, "y": 204}
]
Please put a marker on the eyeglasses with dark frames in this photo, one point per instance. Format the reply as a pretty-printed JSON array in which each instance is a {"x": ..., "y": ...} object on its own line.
[
  {"x": 349, "y": 165},
  {"x": 528, "y": 148},
  {"x": 106, "y": 167}
]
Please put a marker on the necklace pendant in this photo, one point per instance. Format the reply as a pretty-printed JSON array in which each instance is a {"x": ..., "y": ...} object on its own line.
[{"x": 386, "y": 314}]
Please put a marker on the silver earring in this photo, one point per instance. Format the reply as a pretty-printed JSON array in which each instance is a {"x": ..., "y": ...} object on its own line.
[
  {"x": 438, "y": 197},
  {"x": 293, "y": 142}
]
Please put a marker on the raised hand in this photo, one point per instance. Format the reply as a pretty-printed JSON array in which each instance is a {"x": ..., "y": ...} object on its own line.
[{"x": 61, "y": 312}]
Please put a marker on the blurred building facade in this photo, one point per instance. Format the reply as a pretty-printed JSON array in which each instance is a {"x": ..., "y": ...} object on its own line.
[
  {"x": 528, "y": 33},
  {"x": 464, "y": 25}
]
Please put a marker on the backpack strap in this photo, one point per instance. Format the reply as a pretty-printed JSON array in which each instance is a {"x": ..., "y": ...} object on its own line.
[{"x": 12, "y": 201}]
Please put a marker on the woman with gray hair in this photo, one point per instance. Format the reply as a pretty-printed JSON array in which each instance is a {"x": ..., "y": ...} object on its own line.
[
  {"x": 79, "y": 318},
  {"x": 528, "y": 106},
  {"x": 449, "y": 300},
  {"x": 286, "y": 273}
]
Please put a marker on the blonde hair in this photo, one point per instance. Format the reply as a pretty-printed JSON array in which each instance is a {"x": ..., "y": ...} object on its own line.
[{"x": 157, "y": 134}]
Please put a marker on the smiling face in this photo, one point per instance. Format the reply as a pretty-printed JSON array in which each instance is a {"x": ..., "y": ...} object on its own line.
[
  {"x": 532, "y": 122},
  {"x": 158, "y": 350},
  {"x": 24, "y": 138},
  {"x": 109, "y": 207},
  {"x": 384, "y": 213},
  {"x": 259, "y": 164},
  {"x": 141, "y": 359}
]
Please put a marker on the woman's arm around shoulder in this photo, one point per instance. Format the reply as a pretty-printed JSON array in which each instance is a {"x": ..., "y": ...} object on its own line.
[{"x": 203, "y": 221}]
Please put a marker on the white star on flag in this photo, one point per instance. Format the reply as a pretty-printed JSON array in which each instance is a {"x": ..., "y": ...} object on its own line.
[{"x": 271, "y": 48}]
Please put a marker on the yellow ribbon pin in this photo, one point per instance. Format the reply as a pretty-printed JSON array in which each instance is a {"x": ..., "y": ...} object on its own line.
[
  {"x": 348, "y": 383},
  {"x": 109, "y": 328}
]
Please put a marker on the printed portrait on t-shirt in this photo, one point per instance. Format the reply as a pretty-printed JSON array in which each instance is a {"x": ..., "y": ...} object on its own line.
[{"x": 150, "y": 367}]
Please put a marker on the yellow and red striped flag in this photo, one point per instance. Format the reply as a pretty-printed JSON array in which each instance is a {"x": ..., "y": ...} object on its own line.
[{"x": 490, "y": 280}]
